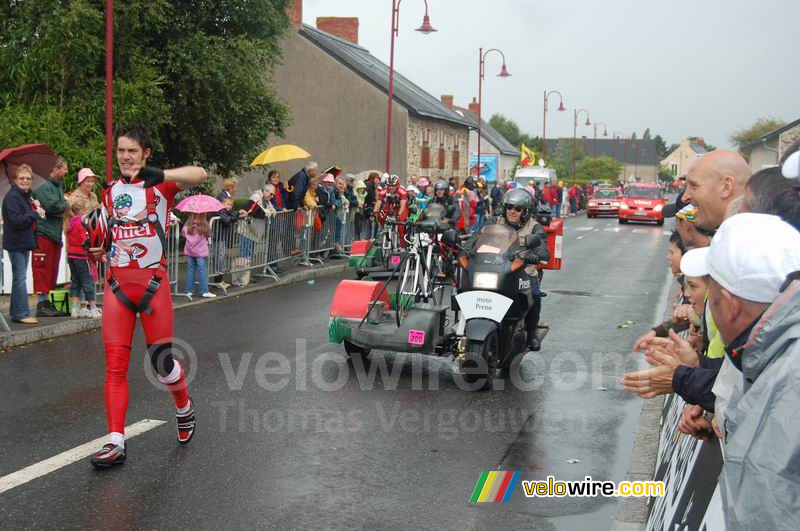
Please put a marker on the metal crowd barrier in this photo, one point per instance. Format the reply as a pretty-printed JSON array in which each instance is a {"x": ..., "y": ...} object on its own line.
[{"x": 258, "y": 245}]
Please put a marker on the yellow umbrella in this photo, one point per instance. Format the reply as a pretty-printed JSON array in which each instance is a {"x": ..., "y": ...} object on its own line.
[{"x": 280, "y": 153}]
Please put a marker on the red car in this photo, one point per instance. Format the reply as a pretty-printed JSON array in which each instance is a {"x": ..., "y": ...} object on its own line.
[
  {"x": 604, "y": 202},
  {"x": 642, "y": 202}
]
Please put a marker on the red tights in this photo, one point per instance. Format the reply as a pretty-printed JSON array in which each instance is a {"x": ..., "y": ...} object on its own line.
[{"x": 118, "y": 325}]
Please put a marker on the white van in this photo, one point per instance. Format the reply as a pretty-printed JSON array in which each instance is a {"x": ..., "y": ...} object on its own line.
[{"x": 538, "y": 174}]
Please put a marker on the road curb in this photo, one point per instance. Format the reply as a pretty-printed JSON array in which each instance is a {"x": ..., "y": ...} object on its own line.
[{"x": 18, "y": 338}]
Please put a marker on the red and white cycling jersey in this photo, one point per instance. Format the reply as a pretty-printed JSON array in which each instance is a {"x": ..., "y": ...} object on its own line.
[
  {"x": 392, "y": 204},
  {"x": 135, "y": 244}
]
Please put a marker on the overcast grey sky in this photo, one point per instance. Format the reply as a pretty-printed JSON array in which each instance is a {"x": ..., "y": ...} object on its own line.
[{"x": 680, "y": 67}]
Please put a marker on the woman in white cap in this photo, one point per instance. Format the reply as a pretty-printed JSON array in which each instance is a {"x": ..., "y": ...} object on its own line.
[{"x": 85, "y": 190}]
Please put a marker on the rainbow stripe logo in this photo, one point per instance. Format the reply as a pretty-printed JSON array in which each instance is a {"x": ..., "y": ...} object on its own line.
[{"x": 495, "y": 486}]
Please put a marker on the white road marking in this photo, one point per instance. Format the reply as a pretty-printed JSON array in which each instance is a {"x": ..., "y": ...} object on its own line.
[
  {"x": 63, "y": 459},
  {"x": 641, "y": 231},
  {"x": 667, "y": 233},
  {"x": 579, "y": 238},
  {"x": 583, "y": 228},
  {"x": 611, "y": 229}
]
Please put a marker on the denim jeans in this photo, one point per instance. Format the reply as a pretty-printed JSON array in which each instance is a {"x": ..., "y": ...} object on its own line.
[
  {"x": 246, "y": 246},
  {"x": 197, "y": 265},
  {"x": 82, "y": 284},
  {"x": 19, "y": 288},
  {"x": 557, "y": 213}
]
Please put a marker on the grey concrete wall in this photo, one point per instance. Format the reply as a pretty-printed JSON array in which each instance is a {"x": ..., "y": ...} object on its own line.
[{"x": 338, "y": 117}]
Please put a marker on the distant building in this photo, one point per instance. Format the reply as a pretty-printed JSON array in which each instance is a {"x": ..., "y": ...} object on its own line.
[
  {"x": 492, "y": 142},
  {"x": 337, "y": 93},
  {"x": 679, "y": 160},
  {"x": 639, "y": 157},
  {"x": 768, "y": 149}
]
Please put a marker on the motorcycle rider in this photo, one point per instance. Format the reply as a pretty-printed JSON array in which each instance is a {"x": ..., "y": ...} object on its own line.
[
  {"x": 519, "y": 212},
  {"x": 441, "y": 189}
]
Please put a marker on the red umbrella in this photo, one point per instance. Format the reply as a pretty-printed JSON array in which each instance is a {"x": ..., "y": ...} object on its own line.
[{"x": 38, "y": 156}]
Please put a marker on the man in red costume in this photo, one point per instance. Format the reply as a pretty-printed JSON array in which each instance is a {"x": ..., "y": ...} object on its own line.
[{"x": 137, "y": 206}]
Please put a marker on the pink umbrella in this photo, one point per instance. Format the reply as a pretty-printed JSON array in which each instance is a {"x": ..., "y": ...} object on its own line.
[{"x": 200, "y": 204}]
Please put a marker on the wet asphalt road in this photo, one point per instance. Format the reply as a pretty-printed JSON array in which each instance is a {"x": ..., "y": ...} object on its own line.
[{"x": 330, "y": 448}]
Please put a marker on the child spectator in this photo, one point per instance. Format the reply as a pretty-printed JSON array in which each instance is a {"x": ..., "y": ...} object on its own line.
[
  {"x": 82, "y": 270},
  {"x": 196, "y": 250}
]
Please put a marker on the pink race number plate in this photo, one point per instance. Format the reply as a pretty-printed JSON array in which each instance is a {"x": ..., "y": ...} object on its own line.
[
  {"x": 416, "y": 337},
  {"x": 394, "y": 260}
]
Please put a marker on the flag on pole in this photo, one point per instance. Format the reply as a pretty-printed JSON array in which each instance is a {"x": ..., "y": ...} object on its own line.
[{"x": 528, "y": 157}]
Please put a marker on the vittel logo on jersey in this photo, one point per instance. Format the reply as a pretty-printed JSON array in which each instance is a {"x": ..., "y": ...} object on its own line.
[
  {"x": 524, "y": 284},
  {"x": 136, "y": 231}
]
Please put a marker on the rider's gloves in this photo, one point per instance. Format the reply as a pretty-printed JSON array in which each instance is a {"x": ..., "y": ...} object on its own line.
[
  {"x": 532, "y": 258},
  {"x": 151, "y": 176}
]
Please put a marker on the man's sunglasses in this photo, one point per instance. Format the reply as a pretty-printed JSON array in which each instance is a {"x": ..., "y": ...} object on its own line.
[{"x": 514, "y": 207}]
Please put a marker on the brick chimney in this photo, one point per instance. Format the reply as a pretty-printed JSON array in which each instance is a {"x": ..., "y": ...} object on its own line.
[
  {"x": 447, "y": 99},
  {"x": 295, "y": 12},
  {"x": 343, "y": 27},
  {"x": 474, "y": 106}
]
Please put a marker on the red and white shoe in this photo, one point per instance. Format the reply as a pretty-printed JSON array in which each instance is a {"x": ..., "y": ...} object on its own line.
[
  {"x": 109, "y": 456},
  {"x": 186, "y": 424}
]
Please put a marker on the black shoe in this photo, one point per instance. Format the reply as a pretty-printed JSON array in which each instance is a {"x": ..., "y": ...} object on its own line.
[
  {"x": 110, "y": 455},
  {"x": 186, "y": 424},
  {"x": 533, "y": 342},
  {"x": 46, "y": 309}
]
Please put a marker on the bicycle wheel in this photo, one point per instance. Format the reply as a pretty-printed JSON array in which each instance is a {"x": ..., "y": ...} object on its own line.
[{"x": 408, "y": 286}]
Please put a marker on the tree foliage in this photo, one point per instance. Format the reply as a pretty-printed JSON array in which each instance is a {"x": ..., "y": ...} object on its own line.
[
  {"x": 511, "y": 132},
  {"x": 600, "y": 169},
  {"x": 196, "y": 72},
  {"x": 746, "y": 135},
  {"x": 561, "y": 160}
]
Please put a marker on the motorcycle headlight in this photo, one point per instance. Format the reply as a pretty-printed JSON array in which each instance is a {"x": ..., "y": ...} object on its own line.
[{"x": 485, "y": 280}]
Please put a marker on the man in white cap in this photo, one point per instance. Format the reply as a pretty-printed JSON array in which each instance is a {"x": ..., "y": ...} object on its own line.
[{"x": 756, "y": 307}]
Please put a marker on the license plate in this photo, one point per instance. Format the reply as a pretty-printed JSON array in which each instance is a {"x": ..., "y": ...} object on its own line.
[
  {"x": 416, "y": 337},
  {"x": 641, "y": 213}
]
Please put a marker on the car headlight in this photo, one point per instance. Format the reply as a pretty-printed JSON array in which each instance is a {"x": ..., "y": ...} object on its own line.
[
  {"x": 658, "y": 208},
  {"x": 623, "y": 204},
  {"x": 485, "y": 280},
  {"x": 615, "y": 203},
  {"x": 592, "y": 203}
]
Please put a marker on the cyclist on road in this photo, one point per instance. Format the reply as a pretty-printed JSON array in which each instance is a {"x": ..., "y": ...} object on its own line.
[
  {"x": 131, "y": 228},
  {"x": 392, "y": 202}
]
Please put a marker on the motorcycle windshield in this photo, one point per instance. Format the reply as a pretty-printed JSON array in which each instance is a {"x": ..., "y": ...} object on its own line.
[
  {"x": 495, "y": 243},
  {"x": 434, "y": 211}
]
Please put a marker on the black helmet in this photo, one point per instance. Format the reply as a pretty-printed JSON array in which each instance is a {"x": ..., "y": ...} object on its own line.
[
  {"x": 520, "y": 198},
  {"x": 469, "y": 184},
  {"x": 441, "y": 185}
]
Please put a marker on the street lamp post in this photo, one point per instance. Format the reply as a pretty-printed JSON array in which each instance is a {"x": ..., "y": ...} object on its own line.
[
  {"x": 613, "y": 146},
  {"x": 544, "y": 118},
  {"x": 594, "y": 159},
  {"x": 635, "y": 158},
  {"x": 109, "y": 86},
  {"x": 481, "y": 75},
  {"x": 425, "y": 29},
  {"x": 575, "y": 139}
]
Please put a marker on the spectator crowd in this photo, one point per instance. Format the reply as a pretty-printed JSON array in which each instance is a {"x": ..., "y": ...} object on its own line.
[{"x": 730, "y": 349}]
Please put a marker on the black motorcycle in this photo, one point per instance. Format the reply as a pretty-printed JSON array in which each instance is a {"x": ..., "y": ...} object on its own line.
[{"x": 494, "y": 295}]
